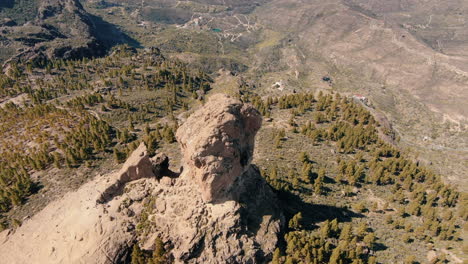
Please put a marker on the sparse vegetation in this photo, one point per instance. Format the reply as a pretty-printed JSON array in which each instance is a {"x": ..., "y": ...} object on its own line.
[
  {"x": 75, "y": 112},
  {"x": 362, "y": 164}
]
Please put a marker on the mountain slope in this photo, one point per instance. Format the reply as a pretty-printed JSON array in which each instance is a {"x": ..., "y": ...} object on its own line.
[
  {"x": 413, "y": 72},
  {"x": 35, "y": 30}
]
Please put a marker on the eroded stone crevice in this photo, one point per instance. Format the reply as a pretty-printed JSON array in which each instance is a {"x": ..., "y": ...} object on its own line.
[{"x": 138, "y": 166}]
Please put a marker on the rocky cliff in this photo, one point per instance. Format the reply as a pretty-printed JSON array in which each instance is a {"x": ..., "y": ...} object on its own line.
[
  {"x": 218, "y": 142},
  {"x": 218, "y": 210}
]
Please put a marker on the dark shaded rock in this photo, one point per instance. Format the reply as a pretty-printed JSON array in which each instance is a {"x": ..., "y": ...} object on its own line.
[{"x": 63, "y": 29}]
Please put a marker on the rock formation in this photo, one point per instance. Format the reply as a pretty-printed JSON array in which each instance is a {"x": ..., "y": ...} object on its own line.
[
  {"x": 77, "y": 229},
  {"x": 217, "y": 142},
  {"x": 61, "y": 29},
  {"x": 137, "y": 166},
  {"x": 219, "y": 209}
]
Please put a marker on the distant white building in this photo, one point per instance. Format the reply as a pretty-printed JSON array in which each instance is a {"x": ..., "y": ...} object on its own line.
[
  {"x": 361, "y": 98},
  {"x": 278, "y": 85}
]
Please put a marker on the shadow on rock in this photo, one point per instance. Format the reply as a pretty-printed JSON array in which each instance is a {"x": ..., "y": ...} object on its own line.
[{"x": 110, "y": 35}]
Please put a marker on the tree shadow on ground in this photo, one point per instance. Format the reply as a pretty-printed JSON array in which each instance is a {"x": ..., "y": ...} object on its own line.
[
  {"x": 7, "y": 4},
  {"x": 379, "y": 247},
  {"x": 36, "y": 187},
  {"x": 313, "y": 213}
]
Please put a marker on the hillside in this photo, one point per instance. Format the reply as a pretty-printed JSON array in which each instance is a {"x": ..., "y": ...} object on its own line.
[
  {"x": 325, "y": 155},
  {"x": 36, "y": 30},
  {"x": 384, "y": 51}
]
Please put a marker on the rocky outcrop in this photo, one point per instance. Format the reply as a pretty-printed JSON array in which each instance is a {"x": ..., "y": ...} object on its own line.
[
  {"x": 242, "y": 230},
  {"x": 61, "y": 29},
  {"x": 217, "y": 142},
  {"x": 77, "y": 228},
  {"x": 220, "y": 209},
  {"x": 138, "y": 166}
]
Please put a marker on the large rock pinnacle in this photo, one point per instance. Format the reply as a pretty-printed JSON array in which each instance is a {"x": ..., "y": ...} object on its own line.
[
  {"x": 218, "y": 142},
  {"x": 220, "y": 209}
]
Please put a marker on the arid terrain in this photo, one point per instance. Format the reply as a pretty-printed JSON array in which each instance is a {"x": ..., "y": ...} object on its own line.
[{"x": 265, "y": 131}]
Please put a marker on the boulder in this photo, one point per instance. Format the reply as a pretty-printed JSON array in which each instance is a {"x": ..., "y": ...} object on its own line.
[
  {"x": 160, "y": 163},
  {"x": 137, "y": 166}
]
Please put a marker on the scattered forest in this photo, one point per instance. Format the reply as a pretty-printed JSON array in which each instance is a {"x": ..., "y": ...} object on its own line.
[
  {"x": 70, "y": 114},
  {"x": 351, "y": 195}
]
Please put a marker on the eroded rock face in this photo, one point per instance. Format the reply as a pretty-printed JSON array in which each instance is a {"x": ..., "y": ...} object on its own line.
[
  {"x": 220, "y": 209},
  {"x": 244, "y": 229},
  {"x": 137, "y": 166},
  {"x": 61, "y": 29},
  {"x": 217, "y": 143},
  {"x": 95, "y": 224}
]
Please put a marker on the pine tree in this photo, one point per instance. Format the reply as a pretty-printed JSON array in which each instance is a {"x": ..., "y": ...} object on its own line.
[
  {"x": 335, "y": 257},
  {"x": 147, "y": 129},
  {"x": 334, "y": 227},
  {"x": 369, "y": 239},
  {"x": 296, "y": 221},
  {"x": 278, "y": 141},
  {"x": 325, "y": 230},
  {"x": 56, "y": 158},
  {"x": 346, "y": 232},
  {"x": 137, "y": 255},
  {"x": 318, "y": 183},
  {"x": 305, "y": 174},
  {"x": 303, "y": 157},
  {"x": 117, "y": 155},
  {"x": 276, "y": 257},
  {"x": 159, "y": 252},
  {"x": 372, "y": 260},
  {"x": 362, "y": 229},
  {"x": 289, "y": 260}
]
